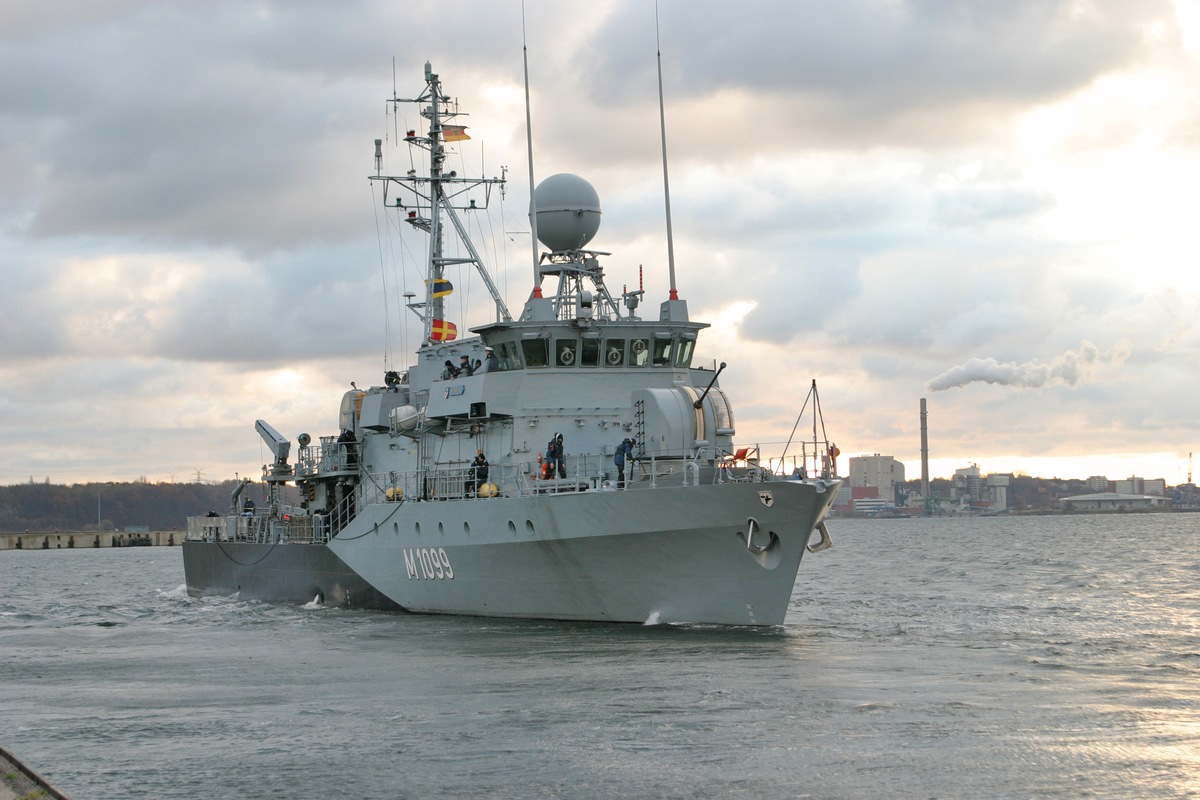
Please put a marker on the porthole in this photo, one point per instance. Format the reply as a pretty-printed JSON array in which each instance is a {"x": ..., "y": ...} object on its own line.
[{"x": 529, "y": 525}]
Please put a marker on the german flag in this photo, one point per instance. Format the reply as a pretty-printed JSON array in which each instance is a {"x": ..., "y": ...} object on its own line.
[
  {"x": 454, "y": 133},
  {"x": 443, "y": 331},
  {"x": 441, "y": 286}
]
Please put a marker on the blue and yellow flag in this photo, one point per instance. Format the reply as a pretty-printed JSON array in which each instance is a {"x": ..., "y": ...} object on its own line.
[{"x": 441, "y": 286}]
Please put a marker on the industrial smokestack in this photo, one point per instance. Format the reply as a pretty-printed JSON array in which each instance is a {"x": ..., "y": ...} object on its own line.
[{"x": 924, "y": 450}]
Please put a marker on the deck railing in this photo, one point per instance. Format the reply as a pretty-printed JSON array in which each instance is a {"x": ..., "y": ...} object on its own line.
[{"x": 459, "y": 481}]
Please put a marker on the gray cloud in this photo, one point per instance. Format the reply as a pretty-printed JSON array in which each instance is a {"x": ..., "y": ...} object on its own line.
[
  {"x": 902, "y": 66},
  {"x": 186, "y": 230}
]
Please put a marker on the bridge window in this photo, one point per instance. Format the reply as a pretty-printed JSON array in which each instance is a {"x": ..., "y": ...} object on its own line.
[
  {"x": 510, "y": 356},
  {"x": 683, "y": 353},
  {"x": 639, "y": 352},
  {"x": 614, "y": 352},
  {"x": 566, "y": 352},
  {"x": 537, "y": 352},
  {"x": 589, "y": 353},
  {"x": 662, "y": 352}
]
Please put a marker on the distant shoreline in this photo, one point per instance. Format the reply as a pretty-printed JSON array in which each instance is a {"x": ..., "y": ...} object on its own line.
[
  {"x": 88, "y": 540},
  {"x": 1031, "y": 512}
]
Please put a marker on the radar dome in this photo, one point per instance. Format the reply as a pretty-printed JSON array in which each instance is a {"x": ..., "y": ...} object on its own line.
[{"x": 568, "y": 212}]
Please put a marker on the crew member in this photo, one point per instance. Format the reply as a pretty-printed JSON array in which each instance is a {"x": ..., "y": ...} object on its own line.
[
  {"x": 490, "y": 362},
  {"x": 559, "y": 456},
  {"x": 624, "y": 452},
  {"x": 349, "y": 447},
  {"x": 479, "y": 472},
  {"x": 549, "y": 468}
]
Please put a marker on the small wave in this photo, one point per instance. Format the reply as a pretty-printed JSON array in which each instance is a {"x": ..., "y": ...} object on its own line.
[
  {"x": 655, "y": 618},
  {"x": 178, "y": 593},
  {"x": 866, "y": 708},
  {"x": 316, "y": 602}
]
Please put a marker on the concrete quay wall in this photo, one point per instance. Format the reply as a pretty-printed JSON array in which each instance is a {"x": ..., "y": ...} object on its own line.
[
  {"x": 66, "y": 540},
  {"x": 18, "y": 781}
]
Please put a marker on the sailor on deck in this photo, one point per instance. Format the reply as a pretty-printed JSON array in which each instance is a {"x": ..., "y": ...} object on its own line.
[
  {"x": 479, "y": 472},
  {"x": 555, "y": 457},
  {"x": 490, "y": 362},
  {"x": 624, "y": 452}
]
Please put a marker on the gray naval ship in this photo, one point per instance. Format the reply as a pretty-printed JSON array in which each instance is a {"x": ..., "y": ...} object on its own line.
[{"x": 496, "y": 490}]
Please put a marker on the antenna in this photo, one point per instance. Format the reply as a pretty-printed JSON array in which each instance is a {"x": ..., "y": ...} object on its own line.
[
  {"x": 662, "y": 125},
  {"x": 537, "y": 273}
]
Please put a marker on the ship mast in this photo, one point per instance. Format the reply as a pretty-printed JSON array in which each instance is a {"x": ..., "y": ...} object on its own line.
[{"x": 431, "y": 201}]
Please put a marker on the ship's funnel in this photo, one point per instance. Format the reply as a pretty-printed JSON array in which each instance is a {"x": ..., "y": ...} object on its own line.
[{"x": 568, "y": 212}]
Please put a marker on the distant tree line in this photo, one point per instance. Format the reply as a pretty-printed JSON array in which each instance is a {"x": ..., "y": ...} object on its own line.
[{"x": 112, "y": 506}]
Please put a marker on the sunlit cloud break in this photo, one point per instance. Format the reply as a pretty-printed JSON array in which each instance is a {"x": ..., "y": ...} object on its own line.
[{"x": 1067, "y": 368}]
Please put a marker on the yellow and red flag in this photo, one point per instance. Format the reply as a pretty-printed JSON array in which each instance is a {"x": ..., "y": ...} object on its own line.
[
  {"x": 454, "y": 133},
  {"x": 443, "y": 331}
]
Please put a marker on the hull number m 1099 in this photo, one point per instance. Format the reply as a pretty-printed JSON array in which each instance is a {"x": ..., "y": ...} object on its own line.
[{"x": 428, "y": 563}]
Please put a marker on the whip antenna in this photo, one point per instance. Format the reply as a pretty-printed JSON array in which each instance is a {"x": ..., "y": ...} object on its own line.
[
  {"x": 662, "y": 125},
  {"x": 537, "y": 273}
]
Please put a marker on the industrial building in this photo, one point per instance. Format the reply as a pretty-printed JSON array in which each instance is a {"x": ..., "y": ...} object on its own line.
[
  {"x": 885, "y": 473},
  {"x": 1111, "y": 501}
]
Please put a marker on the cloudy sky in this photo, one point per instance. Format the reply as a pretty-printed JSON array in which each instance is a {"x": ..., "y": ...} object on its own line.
[{"x": 990, "y": 205}]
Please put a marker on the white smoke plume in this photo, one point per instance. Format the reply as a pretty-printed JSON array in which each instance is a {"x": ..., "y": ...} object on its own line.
[{"x": 1068, "y": 368}]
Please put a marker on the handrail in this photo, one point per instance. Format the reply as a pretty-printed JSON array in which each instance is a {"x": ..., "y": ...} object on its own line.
[{"x": 455, "y": 481}]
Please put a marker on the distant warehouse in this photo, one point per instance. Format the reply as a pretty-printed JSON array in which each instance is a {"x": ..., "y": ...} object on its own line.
[{"x": 1110, "y": 501}]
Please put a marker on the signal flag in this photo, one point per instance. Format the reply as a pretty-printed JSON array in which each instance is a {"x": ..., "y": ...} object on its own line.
[{"x": 443, "y": 331}]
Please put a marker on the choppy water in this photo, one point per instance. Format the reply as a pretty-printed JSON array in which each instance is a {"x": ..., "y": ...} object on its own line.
[{"x": 994, "y": 658}]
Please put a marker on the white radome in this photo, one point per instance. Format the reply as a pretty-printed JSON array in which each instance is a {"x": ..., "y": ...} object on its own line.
[{"x": 568, "y": 212}]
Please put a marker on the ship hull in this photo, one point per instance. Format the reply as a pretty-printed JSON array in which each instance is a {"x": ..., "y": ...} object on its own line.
[
  {"x": 278, "y": 573},
  {"x": 671, "y": 555}
]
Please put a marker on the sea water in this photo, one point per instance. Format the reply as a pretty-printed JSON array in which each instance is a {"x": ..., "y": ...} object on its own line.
[{"x": 1048, "y": 657}]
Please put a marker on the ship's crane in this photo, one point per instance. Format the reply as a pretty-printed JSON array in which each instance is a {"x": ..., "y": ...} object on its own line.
[{"x": 280, "y": 446}]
